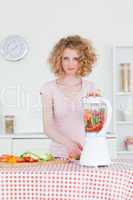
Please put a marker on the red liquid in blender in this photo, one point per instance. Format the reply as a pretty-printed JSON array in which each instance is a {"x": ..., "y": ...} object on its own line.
[{"x": 94, "y": 120}]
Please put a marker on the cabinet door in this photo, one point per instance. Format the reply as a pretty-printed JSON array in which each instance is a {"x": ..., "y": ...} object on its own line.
[
  {"x": 112, "y": 146},
  {"x": 35, "y": 145},
  {"x": 5, "y": 146}
]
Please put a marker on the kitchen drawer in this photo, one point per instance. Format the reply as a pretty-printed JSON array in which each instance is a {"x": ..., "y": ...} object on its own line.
[
  {"x": 5, "y": 145},
  {"x": 35, "y": 145}
]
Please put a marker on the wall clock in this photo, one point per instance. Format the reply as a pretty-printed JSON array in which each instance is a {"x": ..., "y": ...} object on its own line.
[{"x": 14, "y": 48}]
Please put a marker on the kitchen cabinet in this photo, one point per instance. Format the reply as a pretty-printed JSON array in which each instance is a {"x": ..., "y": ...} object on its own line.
[
  {"x": 112, "y": 146},
  {"x": 123, "y": 98},
  {"x": 18, "y": 144},
  {"x": 5, "y": 145},
  {"x": 38, "y": 143}
]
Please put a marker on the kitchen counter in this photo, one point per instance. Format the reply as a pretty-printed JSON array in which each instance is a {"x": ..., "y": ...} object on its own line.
[
  {"x": 36, "y": 135},
  {"x": 24, "y": 135}
]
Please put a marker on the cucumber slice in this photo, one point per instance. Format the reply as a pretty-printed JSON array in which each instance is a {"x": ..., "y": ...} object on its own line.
[
  {"x": 31, "y": 155},
  {"x": 43, "y": 157},
  {"x": 46, "y": 157}
]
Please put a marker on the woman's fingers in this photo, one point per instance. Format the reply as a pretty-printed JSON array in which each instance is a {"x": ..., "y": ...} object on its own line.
[
  {"x": 75, "y": 151},
  {"x": 73, "y": 156},
  {"x": 95, "y": 93},
  {"x": 80, "y": 146}
]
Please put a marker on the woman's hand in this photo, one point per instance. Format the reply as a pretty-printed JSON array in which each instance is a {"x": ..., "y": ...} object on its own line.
[
  {"x": 74, "y": 150},
  {"x": 95, "y": 93}
]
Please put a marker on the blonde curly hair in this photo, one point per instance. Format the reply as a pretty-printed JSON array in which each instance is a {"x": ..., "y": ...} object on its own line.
[{"x": 83, "y": 46}]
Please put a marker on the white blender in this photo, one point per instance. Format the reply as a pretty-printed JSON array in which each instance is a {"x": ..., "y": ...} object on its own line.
[{"x": 97, "y": 115}]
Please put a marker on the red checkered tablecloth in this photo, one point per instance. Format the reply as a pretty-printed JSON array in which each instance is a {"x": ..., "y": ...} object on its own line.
[{"x": 67, "y": 182}]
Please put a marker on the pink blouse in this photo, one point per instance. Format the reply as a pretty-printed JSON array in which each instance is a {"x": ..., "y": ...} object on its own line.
[{"x": 67, "y": 113}]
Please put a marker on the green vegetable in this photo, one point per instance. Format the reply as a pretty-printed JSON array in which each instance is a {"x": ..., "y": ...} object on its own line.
[
  {"x": 46, "y": 157},
  {"x": 97, "y": 119},
  {"x": 94, "y": 120},
  {"x": 31, "y": 155},
  {"x": 43, "y": 157}
]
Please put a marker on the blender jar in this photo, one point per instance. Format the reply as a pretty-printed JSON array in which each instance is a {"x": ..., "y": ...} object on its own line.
[{"x": 94, "y": 114}]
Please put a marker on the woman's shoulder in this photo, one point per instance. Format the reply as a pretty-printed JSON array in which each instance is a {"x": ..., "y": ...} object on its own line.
[{"x": 47, "y": 86}]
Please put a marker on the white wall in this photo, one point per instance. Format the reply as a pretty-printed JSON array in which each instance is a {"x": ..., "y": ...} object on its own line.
[{"x": 42, "y": 23}]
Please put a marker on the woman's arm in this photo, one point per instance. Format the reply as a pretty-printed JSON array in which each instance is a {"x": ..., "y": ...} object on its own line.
[
  {"x": 74, "y": 149},
  {"x": 48, "y": 120}
]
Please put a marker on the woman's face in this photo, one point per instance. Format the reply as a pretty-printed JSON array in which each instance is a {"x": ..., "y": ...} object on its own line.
[{"x": 70, "y": 61}]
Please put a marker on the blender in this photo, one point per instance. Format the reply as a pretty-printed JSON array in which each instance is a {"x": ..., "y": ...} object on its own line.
[{"x": 97, "y": 112}]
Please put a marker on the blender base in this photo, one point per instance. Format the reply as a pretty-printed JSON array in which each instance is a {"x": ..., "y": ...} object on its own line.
[{"x": 95, "y": 152}]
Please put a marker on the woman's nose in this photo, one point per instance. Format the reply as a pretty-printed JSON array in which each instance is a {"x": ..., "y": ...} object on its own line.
[{"x": 71, "y": 62}]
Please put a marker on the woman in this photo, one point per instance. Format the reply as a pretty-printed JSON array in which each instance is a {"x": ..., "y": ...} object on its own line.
[{"x": 72, "y": 58}]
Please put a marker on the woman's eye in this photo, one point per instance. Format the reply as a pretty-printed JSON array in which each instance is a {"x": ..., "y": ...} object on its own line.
[
  {"x": 77, "y": 59},
  {"x": 65, "y": 58},
  {"x": 70, "y": 59}
]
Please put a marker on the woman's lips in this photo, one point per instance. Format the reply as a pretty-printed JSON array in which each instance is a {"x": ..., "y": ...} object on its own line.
[{"x": 70, "y": 68}]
